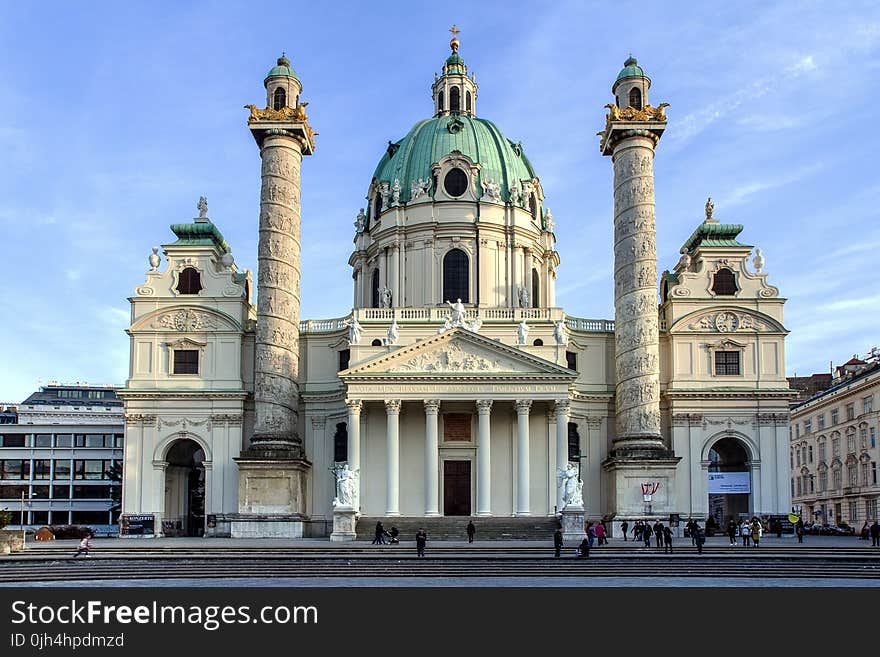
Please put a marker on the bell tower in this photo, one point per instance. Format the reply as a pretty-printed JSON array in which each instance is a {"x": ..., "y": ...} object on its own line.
[{"x": 273, "y": 469}]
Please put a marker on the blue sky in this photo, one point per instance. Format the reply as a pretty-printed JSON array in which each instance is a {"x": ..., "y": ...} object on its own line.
[{"x": 116, "y": 117}]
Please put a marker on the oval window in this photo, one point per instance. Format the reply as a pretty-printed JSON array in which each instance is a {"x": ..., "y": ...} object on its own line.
[{"x": 456, "y": 182}]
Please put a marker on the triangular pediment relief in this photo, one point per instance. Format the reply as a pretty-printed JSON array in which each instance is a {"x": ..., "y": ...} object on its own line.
[{"x": 458, "y": 352}]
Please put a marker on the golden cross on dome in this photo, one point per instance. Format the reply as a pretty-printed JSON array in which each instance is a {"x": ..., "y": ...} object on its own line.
[{"x": 454, "y": 31}]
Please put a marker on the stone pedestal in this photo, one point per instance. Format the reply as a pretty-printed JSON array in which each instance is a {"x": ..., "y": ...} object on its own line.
[
  {"x": 271, "y": 498},
  {"x": 573, "y": 525},
  {"x": 344, "y": 519},
  {"x": 627, "y": 476}
]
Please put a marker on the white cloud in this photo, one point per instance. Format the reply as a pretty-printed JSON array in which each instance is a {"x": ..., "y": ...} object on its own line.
[{"x": 744, "y": 192}]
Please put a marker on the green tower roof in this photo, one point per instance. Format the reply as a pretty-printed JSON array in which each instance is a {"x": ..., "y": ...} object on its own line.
[
  {"x": 201, "y": 233},
  {"x": 281, "y": 69},
  {"x": 713, "y": 235},
  {"x": 631, "y": 69},
  {"x": 500, "y": 159}
]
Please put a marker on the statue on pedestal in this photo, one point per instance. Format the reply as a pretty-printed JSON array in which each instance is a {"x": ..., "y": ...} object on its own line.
[
  {"x": 572, "y": 486},
  {"x": 346, "y": 486},
  {"x": 354, "y": 331}
]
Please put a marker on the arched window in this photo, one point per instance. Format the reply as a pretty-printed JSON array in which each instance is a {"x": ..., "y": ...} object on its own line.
[
  {"x": 189, "y": 281},
  {"x": 635, "y": 98},
  {"x": 467, "y": 101},
  {"x": 340, "y": 443},
  {"x": 377, "y": 206},
  {"x": 724, "y": 282},
  {"x": 440, "y": 101},
  {"x": 455, "y": 99},
  {"x": 533, "y": 206},
  {"x": 536, "y": 286},
  {"x": 455, "y": 276},
  {"x": 279, "y": 98},
  {"x": 374, "y": 300},
  {"x": 376, "y": 343},
  {"x": 537, "y": 342}
]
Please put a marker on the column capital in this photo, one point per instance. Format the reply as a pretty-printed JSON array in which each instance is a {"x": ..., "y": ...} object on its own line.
[
  {"x": 523, "y": 405},
  {"x": 392, "y": 406},
  {"x": 484, "y": 406},
  {"x": 354, "y": 405},
  {"x": 432, "y": 406},
  {"x": 562, "y": 405}
]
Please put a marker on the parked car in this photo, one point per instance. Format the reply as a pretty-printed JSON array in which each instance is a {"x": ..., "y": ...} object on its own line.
[{"x": 838, "y": 530}]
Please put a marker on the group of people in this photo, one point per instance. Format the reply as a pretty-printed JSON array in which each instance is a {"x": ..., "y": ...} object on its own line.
[
  {"x": 750, "y": 531},
  {"x": 873, "y": 531},
  {"x": 421, "y": 536}
]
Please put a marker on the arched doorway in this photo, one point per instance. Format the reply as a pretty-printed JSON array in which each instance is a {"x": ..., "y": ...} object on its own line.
[
  {"x": 730, "y": 486},
  {"x": 184, "y": 489}
]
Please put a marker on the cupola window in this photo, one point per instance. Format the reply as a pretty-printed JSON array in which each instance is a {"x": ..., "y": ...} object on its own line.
[
  {"x": 533, "y": 206},
  {"x": 440, "y": 101},
  {"x": 189, "y": 281},
  {"x": 455, "y": 276},
  {"x": 377, "y": 206},
  {"x": 536, "y": 286},
  {"x": 374, "y": 301},
  {"x": 467, "y": 101},
  {"x": 455, "y": 183},
  {"x": 455, "y": 99},
  {"x": 724, "y": 282},
  {"x": 635, "y": 98},
  {"x": 279, "y": 99}
]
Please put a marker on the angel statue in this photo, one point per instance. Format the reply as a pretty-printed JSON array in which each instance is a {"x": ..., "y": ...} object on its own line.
[
  {"x": 354, "y": 331},
  {"x": 360, "y": 223},
  {"x": 710, "y": 208},
  {"x": 202, "y": 207},
  {"x": 456, "y": 317},
  {"x": 346, "y": 486},
  {"x": 572, "y": 486}
]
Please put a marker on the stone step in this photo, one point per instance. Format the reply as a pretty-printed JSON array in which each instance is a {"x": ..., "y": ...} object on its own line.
[{"x": 455, "y": 528}]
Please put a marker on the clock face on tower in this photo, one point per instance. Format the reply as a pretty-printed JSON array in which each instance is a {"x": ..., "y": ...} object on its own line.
[{"x": 726, "y": 322}]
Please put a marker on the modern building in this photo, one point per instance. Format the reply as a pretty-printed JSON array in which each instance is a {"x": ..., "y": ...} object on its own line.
[
  {"x": 834, "y": 452},
  {"x": 455, "y": 385},
  {"x": 57, "y": 461}
]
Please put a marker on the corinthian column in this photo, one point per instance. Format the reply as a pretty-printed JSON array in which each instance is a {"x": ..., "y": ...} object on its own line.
[{"x": 276, "y": 388}]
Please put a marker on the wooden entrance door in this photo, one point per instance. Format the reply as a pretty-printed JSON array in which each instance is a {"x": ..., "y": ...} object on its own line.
[{"x": 457, "y": 488}]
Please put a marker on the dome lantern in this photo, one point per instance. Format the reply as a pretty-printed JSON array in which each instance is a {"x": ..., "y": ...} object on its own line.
[
  {"x": 454, "y": 92},
  {"x": 283, "y": 85},
  {"x": 631, "y": 86}
]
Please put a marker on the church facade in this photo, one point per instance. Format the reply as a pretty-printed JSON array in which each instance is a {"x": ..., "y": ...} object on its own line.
[{"x": 455, "y": 385}]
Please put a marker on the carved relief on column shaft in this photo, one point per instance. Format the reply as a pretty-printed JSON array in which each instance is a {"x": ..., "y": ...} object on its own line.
[
  {"x": 635, "y": 291},
  {"x": 276, "y": 368}
]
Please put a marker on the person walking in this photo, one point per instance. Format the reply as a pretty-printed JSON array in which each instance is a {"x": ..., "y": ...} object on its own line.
[
  {"x": 658, "y": 534},
  {"x": 471, "y": 530},
  {"x": 667, "y": 540},
  {"x": 756, "y": 531},
  {"x": 731, "y": 531},
  {"x": 700, "y": 538},
  {"x": 692, "y": 530},
  {"x": 637, "y": 531},
  {"x": 646, "y": 533},
  {"x": 591, "y": 534},
  {"x": 600, "y": 533},
  {"x": 623, "y": 527},
  {"x": 557, "y": 541},
  {"x": 799, "y": 530},
  {"x": 746, "y": 532},
  {"x": 379, "y": 538},
  {"x": 84, "y": 546},
  {"x": 421, "y": 539},
  {"x": 875, "y": 534}
]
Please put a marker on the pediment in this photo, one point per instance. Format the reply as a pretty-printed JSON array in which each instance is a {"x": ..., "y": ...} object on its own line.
[
  {"x": 186, "y": 319},
  {"x": 458, "y": 352},
  {"x": 727, "y": 320}
]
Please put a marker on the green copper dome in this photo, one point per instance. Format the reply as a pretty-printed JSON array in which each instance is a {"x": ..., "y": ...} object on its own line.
[
  {"x": 429, "y": 141},
  {"x": 631, "y": 69},
  {"x": 281, "y": 69}
]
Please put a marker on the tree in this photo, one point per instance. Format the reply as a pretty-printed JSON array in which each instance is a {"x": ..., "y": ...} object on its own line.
[{"x": 114, "y": 474}]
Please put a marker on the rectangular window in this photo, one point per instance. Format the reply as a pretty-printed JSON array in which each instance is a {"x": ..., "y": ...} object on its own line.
[
  {"x": 823, "y": 481},
  {"x": 89, "y": 469},
  {"x": 871, "y": 508},
  {"x": 40, "y": 518},
  {"x": 117, "y": 440},
  {"x": 12, "y": 440},
  {"x": 821, "y": 452},
  {"x": 344, "y": 359},
  {"x": 797, "y": 431},
  {"x": 62, "y": 470},
  {"x": 60, "y": 492},
  {"x": 873, "y": 473},
  {"x": 812, "y": 483},
  {"x": 798, "y": 457},
  {"x": 799, "y": 491},
  {"x": 820, "y": 422},
  {"x": 865, "y": 470},
  {"x": 42, "y": 469},
  {"x": 850, "y": 411},
  {"x": 13, "y": 492},
  {"x": 726, "y": 363},
  {"x": 43, "y": 440},
  {"x": 868, "y": 404},
  {"x": 40, "y": 492},
  {"x": 835, "y": 416},
  {"x": 94, "y": 440},
  {"x": 835, "y": 447},
  {"x": 808, "y": 426},
  {"x": 90, "y": 518},
  {"x": 873, "y": 438},
  {"x": 91, "y": 492},
  {"x": 63, "y": 440},
  {"x": 851, "y": 443},
  {"x": 15, "y": 469},
  {"x": 810, "y": 453},
  {"x": 851, "y": 476},
  {"x": 837, "y": 478},
  {"x": 853, "y": 512},
  {"x": 863, "y": 438},
  {"x": 186, "y": 361}
]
